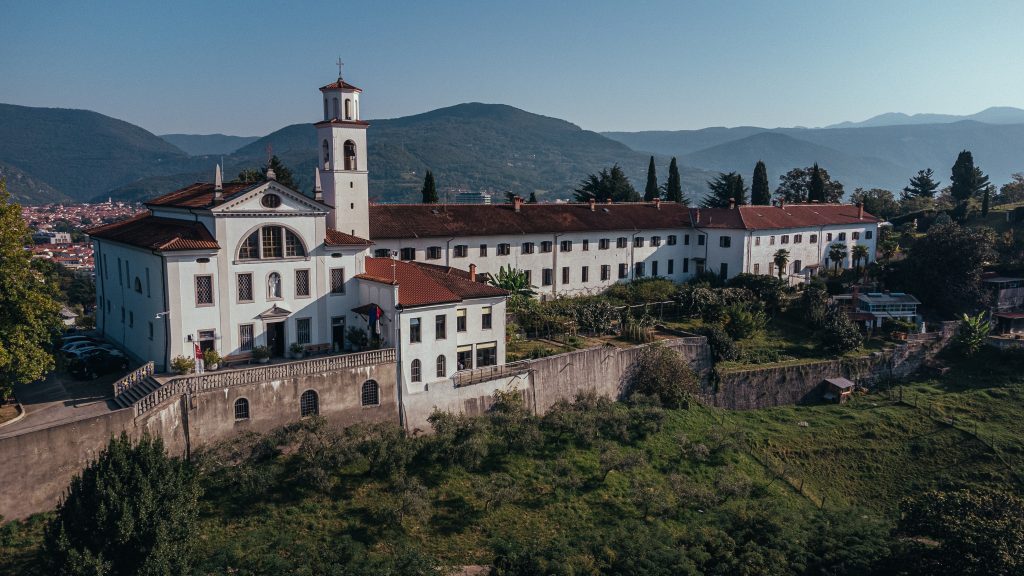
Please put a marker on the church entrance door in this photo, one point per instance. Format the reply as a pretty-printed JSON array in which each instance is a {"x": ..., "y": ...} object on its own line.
[{"x": 275, "y": 338}]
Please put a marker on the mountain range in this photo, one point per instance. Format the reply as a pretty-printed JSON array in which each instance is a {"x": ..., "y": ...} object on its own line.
[
  {"x": 57, "y": 154},
  {"x": 993, "y": 115}
]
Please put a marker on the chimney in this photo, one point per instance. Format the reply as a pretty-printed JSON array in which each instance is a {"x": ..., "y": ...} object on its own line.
[
  {"x": 517, "y": 202},
  {"x": 782, "y": 202},
  {"x": 697, "y": 219},
  {"x": 472, "y": 272},
  {"x": 608, "y": 201},
  {"x": 318, "y": 191},
  {"x": 732, "y": 203},
  {"x": 860, "y": 210},
  {"x": 657, "y": 203},
  {"x": 593, "y": 205},
  {"x": 270, "y": 174},
  {"x": 218, "y": 186}
]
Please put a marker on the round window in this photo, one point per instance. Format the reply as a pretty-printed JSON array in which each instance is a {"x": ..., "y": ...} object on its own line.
[{"x": 271, "y": 200}]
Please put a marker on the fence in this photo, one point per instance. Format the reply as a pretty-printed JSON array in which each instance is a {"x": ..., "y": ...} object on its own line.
[
  {"x": 133, "y": 378},
  {"x": 209, "y": 381},
  {"x": 488, "y": 373}
]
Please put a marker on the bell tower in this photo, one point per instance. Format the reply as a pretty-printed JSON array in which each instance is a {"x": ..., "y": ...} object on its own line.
[{"x": 342, "y": 147}]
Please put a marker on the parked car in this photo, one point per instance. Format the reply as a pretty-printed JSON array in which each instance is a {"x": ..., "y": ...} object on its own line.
[
  {"x": 78, "y": 344},
  {"x": 86, "y": 350},
  {"x": 91, "y": 365},
  {"x": 76, "y": 338}
]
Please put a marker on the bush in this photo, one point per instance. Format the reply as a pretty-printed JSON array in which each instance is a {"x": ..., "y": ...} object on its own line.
[
  {"x": 665, "y": 374},
  {"x": 838, "y": 334},
  {"x": 972, "y": 333},
  {"x": 768, "y": 289},
  {"x": 643, "y": 291},
  {"x": 211, "y": 357},
  {"x": 261, "y": 352},
  {"x": 183, "y": 364},
  {"x": 815, "y": 303},
  {"x": 698, "y": 299},
  {"x": 722, "y": 345},
  {"x": 744, "y": 319}
]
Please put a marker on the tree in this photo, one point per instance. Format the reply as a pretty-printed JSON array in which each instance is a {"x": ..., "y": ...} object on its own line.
[
  {"x": 1013, "y": 191},
  {"x": 30, "y": 314},
  {"x": 514, "y": 280},
  {"x": 429, "y": 191},
  {"x": 985, "y": 200},
  {"x": 725, "y": 188},
  {"x": 859, "y": 254},
  {"x": 532, "y": 199},
  {"x": 651, "y": 191},
  {"x": 888, "y": 243},
  {"x": 282, "y": 174},
  {"x": 133, "y": 510},
  {"x": 760, "y": 194},
  {"x": 972, "y": 333},
  {"x": 877, "y": 201},
  {"x": 795, "y": 186},
  {"x": 781, "y": 259},
  {"x": 837, "y": 253},
  {"x": 664, "y": 373},
  {"x": 816, "y": 189},
  {"x": 838, "y": 334},
  {"x": 922, "y": 185},
  {"x": 943, "y": 268},
  {"x": 674, "y": 184},
  {"x": 608, "y": 184},
  {"x": 967, "y": 181}
]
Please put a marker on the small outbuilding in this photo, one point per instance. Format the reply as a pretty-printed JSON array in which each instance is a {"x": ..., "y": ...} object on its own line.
[{"x": 838, "y": 389}]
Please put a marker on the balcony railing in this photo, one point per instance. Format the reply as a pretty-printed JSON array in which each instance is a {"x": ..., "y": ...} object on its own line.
[
  {"x": 476, "y": 375},
  {"x": 133, "y": 378}
]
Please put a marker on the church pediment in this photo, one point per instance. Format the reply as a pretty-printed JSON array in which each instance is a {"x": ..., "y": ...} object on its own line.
[
  {"x": 271, "y": 198},
  {"x": 274, "y": 311}
]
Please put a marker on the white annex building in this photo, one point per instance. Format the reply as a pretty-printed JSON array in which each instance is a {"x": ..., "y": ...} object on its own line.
[{"x": 233, "y": 266}]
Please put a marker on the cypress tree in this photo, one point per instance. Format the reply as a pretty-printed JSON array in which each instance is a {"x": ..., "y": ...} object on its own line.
[
  {"x": 674, "y": 184},
  {"x": 985, "y": 201},
  {"x": 533, "y": 198},
  {"x": 760, "y": 194},
  {"x": 651, "y": 191},
  {"x": 429, "y": 189},
  {"x": 816, "y": 191}
]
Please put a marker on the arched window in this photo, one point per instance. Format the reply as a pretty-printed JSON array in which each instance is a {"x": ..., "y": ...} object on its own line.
[
  {"x": 271, "y": 242},
  {"x": 371, "y": 393},
  {"x": 326, "y": 117},
  {"x": 348, "y": 108},
  {"x": 274, "y": 285},
  {"x": 334, "y": 108},
  {"x": 417, "y": 372},
  {"x": 241, "y": 409},
  {"x": 441, "y": 372},
  {"x": 350, "y": 155},
  {"x": 327, "y": 155},
  {"x": 309, "y": 403}
]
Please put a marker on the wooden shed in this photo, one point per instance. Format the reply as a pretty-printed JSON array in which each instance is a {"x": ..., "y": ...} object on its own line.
[{"x": 838, "y": 389}]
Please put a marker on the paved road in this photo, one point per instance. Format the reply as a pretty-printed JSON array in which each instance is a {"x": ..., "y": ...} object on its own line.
[{"x": 58, "y": 399}]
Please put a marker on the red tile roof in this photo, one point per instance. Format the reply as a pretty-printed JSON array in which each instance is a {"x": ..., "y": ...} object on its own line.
[
  {"x": 338, "y": 238},
  {"x": 420, "y": 285},
  {"x": 781, "y": 217},
  {"x": 339, "y": 85},
  {"x": 199, "y": 195},
  {"x": 155, "y": 233},
  {"x": 445, "y": 220}
]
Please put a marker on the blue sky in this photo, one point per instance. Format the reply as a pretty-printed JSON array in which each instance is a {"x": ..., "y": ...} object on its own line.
[{"x": 250, "y": 68}]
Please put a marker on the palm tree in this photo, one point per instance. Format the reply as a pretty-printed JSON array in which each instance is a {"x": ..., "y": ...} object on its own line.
[
  {"x": 837, "y": 253},
  {"x": 860, "y": 252},
  {"x": 781, "y": 258}
]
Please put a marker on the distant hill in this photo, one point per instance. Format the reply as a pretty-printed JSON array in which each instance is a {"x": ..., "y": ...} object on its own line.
[
  {"x": 208, "y": 144},
  {"x": 27, "y": 189},
  {"x": 82, "y": 154},
  {"x": 993, "y": 115}
]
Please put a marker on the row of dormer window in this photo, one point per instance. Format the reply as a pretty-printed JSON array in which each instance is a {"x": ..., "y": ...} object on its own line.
[{"x": 546, "y": 246}]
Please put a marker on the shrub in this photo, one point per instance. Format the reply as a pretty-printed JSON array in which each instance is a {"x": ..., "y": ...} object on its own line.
[
  {"x": 768, "y": 289},
  {"x": 722, "y": 345},
  {"x": 261, "y": 352},
  {"x": 697, "y": 299},
  {"x": 815, "y": 303},
  {"x": 183, "y": 364},
  {"x": 664, "y": 373},
  {"x": 838, "y": 334},
  {"x": 211, "y": 357},
  {"x": 973, "y": 332},
  {"x": 357, "y": 337},
  {"x": 643, "y": 291},
  {"x": 744, "y": 319},
  {"x": 459, "y": 439}
]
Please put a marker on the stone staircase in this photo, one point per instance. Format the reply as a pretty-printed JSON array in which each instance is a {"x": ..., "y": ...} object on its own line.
[{"x": 136, "y": 392}]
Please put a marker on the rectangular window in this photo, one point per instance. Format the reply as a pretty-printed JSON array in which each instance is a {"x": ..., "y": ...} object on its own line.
[
  {"x": 856, "y": 235},
  {"x": 585, "y": 274},
  {"x": 566, "y": 246},
  {"x": 586, "y": 245},
  {"x": 814, "y": 239},
  {"x": 757, "y": 268},
  {"x": 842, "y": 235},
  {"x": 784, "y": 239},
  {"x": 244, "y": 287},
  {"x": 150, "y": 330},
  {"x": 106, "y": 270},
  {"x": 302, "y": 283},
  {"x": 700, "y": 240},
  {"x": 302, "y": 330},
  {"x": 460, "y": 251},
  {"x": 545, "y": 246},
  {"x": 485, "y": 317},
  {"x": 440, "y": 327},
  {"x": 414, "y": 330},
  {"x": 671, "y": 240},
  {"x": 382, "y": 253},
  {"x": 120, "y": 275},
  {"x": 868, "y": 234},
  {"x": 771, "y": 241},
  {"x": 606, "y": 272},
  {"x": 621, "y": 241},
  {"x": 565, "y": 274},
  {"x": 638, "y": 269},
  {"x": 686, "y": 265},
  {"x": 529, "y": 277},
  {"x": 483, "y": 250},
  {"x": 725, "y": 241},
  {"x": 504, "y": 249},
  {"x": 655, "y": 240},
  {"x": 828, "y": 237},
  {"x": 245, "y": 338},
  {"x": 148, "y": 294},
  {"x": 464, "y": 357},
  {"x": 434, "y": 253},
  {"x": 407, "y": 254},
  {"x": 686, "y": 239},
  {"x": 771, "y": 269},
  {"x": 798, "y": 238},
  {"x": 671, "y": 267},
  {"x": 545, "y": 277},
  {"x": 486, "y": 354},
  {"x": 204, "y": 290},
  {"x": 460, "y": 320},
  {"x": 603, "y": 244},
  {"x": 337, "y": 280},
  {"x": 271, "y": 236},
  {"x": 528, "y": 248},
  {"x": 131, "y": 318},
  {"x": 623, "y": 270},
  {"x": 723, "y": 271},
  {"x": 638, "y": 241},
  {"x": 654, "y": 268},
  {"x": 757, "y": 240}
]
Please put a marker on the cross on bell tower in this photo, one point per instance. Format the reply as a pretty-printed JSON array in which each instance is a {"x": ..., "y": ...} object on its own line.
[{"x": 340, "y": 66}]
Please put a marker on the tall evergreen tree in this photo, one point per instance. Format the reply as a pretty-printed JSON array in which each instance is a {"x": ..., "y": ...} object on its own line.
[
  {"x": 795, "y": 186},
  {"x": 282, "y": 173},
  {"x": 922, "y": 185},
  {"x": 966, "y": 182},
  {"x": 674, "y": 184},
  {"x": 429, "y": 189},
  {"x": 725, "y": 187},
  {"x": 816, "y": 190},
  {"x": 985, "y": 200},
  {"x": 608, "y": 184},
  {"x": 760, "y": 193},
  {"x": 533, "y": 198},
  {"x": 651, "y": 191}
]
